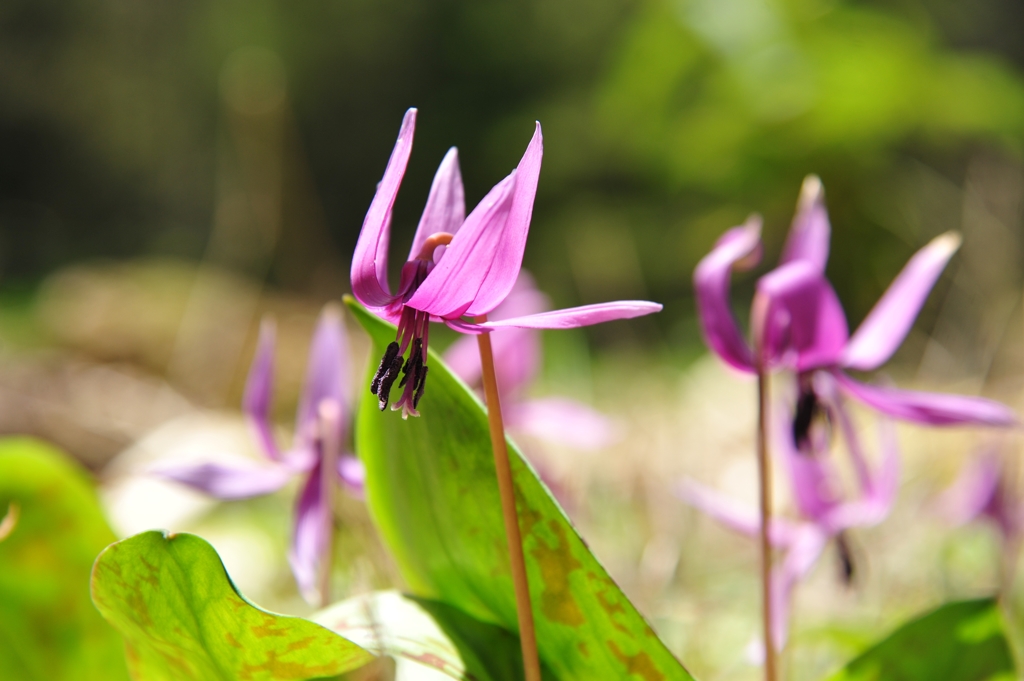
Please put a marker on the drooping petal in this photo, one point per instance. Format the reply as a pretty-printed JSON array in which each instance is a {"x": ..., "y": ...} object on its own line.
[
  {"x": 480, "y": 266},
  {"x": 561, "y": 421},
  {"x": 574, "y": 317},
  {"x": 805, "y": 548},
  {"x": 973, "y": 492},
  {"x": 259, "y": 390},
  {"x": 799, "y": 318},
  {"x": 352, "y": 474},
  {"x": 811, "y": 474},
  {"x": 739, "y": 246},
  {"x": 370, "y": 259},
  {"x": 446, "y": 205},
  {"x": 878, "y": 488},
  {"x": 936, "y": 409},
  {"x": 810, "y": 232},
  {"x": 309, "y": 539},
  {"x": 326, "y": 375},
  {"x": 735, "y": 516},
  {"x": 885, "y": 327},
  {"x": 226, "y": 481}
]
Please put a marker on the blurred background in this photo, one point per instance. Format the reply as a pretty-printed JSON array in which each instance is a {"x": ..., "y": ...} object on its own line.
[{"x": 171, "y": 172}]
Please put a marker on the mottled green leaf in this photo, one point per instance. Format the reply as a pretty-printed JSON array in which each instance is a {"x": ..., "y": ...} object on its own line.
[
  {"x": 964, "y": 641},
  {"x": 172, "y": 600},
  {"x": 52, "y": 529},
  {"x": 432, "y": 492},
  {"x": 429, "y": 641}
]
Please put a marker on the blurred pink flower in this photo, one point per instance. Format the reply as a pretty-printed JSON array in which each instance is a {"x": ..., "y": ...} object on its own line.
[
  {"x": 457, "y": 267},
  {"x": 800, "y": 325},
  {"x": 824, "y": 514},
  {"x": 323, "y": 404},
  {"x": 517, "y": 355},
  {"x": 984, "y": 491}
]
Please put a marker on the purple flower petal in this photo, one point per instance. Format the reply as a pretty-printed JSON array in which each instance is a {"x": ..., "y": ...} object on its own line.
[
  {"x": 352, "y": 474},
  {"x": 561, "y": 421},
  {"x": 574, "y": 317},
  {"x": 454, "y": 282},
  {"x": 227, "y": 482},
  {"x": 800, "y": 318},
  {"x": 810, "y": 232},
  {"x": 326, "y": 372},
  {"x": 446, "y": 205},
  {"x": 887, "y": 324},
  {"x": 805, "y": 548},
  {"x": 811, "y": 473},
  {"x": 737, "y": 517},
  {"x": 309, "y": 540},
  {"x": 737, "y": 248},
  {"x": 936, "y": 409},
  {"x": 974, "y": 490},
  {"x": 259, "y": 390},
  {"x": 480, "y": 266},
  {"x": 370, "y": 259}
]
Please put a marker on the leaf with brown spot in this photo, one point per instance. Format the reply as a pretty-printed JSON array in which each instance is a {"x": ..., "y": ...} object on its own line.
[
  {"x": 431, "y": 488},
  {"x": 177, "y": 609}
]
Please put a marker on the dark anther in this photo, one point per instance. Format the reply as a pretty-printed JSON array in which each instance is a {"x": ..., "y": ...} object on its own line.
[
  {"x": 420, "y": 387},
  {"x": 845, "y": 559},
  {"x": 382, "y": 369},
  {"x": 387, "y": 380},
  {"x": 806, "y": 408}
]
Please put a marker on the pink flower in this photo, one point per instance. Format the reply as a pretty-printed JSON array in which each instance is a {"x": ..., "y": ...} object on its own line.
[
  {"x": 323, "y": 405},
  {"x": 984, "y": 491},
  {"x": 459, "y": 266},
  {"x": 517, "y": 354},
  {"x": 825, "y": 514},
  {"x": 800, "y": 325}
]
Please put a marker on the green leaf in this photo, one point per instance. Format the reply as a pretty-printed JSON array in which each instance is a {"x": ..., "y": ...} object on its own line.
[
  {"x": 172, "y": 600},
  {"x": 963, "y": 641},
  {"x": 428, "y": 640},
  {"x": 52, "y": 529},
  {"x": 432, "y": 491}
]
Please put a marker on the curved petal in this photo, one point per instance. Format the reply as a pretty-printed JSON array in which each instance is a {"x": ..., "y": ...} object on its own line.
[
  {"x": 887, "y": 324},
  {"x": 446, "y": 205},
  {"x": 481, "y": 264},
  {"x": 810, "y": 473},
  {"x": 574, "y": 317},
  {"x": 225, "y": 481},
  {"x": 562, "y": 421},
  {"x": 259, "y": 390},
  {"x": 309, "y": 540},
  {"x": 936, "y": 409},
  {"x": 326, "y": 375},
  {"x": 810, "y": 232},
  {"x": 454, "y": 282},
  {"x": 737, "y": 517},
  {"x": 973, "y": 492},
  {"x": 370, "y": 259},
  {"x": 799, "y": 318},
  {"x": 805, "y": 549},
  {"x": 738, "y": 246},
  {"x": 352, "y": 474}
]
